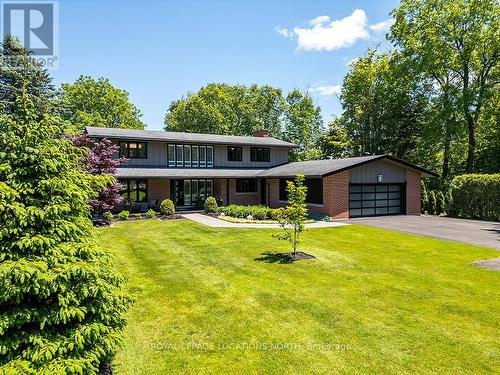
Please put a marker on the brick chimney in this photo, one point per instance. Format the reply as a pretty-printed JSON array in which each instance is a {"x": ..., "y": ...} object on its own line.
[{"x": 261, "y": 133}]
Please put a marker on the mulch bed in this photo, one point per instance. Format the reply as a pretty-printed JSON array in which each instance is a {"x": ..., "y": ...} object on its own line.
[{"x": 299, "y": 255}]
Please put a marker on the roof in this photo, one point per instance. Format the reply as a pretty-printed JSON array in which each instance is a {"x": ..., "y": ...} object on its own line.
[
  {"x": 311, "y": 168},
  {"x": 145, "y": 172},
  {"x": 319, "y": 168},
  {"x": 163, "y": 136}
]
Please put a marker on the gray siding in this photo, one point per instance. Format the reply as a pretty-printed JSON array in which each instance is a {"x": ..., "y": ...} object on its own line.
[
  {"x": 278, "y": 156},
  {"x": 367, "y": 174},
  {"x": 157, "y": 157}
]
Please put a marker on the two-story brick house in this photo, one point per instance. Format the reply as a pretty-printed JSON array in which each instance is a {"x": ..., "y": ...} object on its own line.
[{"x": 188, "y": 167}]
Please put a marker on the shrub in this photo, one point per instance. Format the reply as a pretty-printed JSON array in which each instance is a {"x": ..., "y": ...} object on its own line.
[
  {"x": 432, "y": 202},
  {"x": 107, "y": 216},
  {"x": 257, "y": 212},
  {"x": 151, "y": 214},
  {"x": 476, "y": 196},
  {"x": 124, "y": 215},
  {"x": 167, "y": 207},
  {"x": 440, "y": 203},
  {"x": 425, "y": 198},
  {"x": 210, "y": 206}
]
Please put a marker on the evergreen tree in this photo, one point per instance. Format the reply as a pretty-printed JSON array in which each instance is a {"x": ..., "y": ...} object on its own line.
[
  {"x": 432, "y": 202},
  {"x": 61, "y": 303},
  {"x": 425, "y": 198},
  {"x": 17, "y": 67}
]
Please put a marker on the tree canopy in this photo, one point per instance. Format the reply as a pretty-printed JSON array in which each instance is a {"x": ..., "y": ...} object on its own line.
[
  {"x": 90, "y": 102},
  {"x": 241, "y": 110}
]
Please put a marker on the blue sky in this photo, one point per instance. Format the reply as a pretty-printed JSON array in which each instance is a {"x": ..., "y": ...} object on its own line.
[{"x": 160, "y": 50}]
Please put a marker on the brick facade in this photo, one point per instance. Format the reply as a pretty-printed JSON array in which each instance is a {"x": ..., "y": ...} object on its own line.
[
  {"x": 243, "y": 198},
  {"x": 413, "y": 195},
  {"x": 336, "y": 195},
  {"x": 158, "y": 188}
]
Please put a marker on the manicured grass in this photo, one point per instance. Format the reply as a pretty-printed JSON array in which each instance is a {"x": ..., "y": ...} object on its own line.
[{"x": 373, "y": 301}]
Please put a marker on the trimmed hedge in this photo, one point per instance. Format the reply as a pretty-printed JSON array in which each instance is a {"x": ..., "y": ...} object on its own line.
[
  {"x": 476, "y": 196},
  {"x": 257, "y": 212}
]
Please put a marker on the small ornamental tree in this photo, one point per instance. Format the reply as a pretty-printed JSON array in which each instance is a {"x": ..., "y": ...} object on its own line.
[
  {"x": 293, "y": 216},
  {"x": 99, "y": 161},
  {"x": 61, "y": 302}
]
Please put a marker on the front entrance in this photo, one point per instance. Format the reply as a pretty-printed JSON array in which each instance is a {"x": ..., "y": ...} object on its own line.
[{"x": 191, "y": 193}]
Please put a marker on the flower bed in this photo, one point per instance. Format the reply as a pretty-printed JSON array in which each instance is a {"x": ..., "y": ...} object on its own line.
[{"x": 255, "y": 212}]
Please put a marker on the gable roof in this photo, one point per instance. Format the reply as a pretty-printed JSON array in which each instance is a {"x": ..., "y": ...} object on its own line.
[
  {"x": 320, "y": 168},
  {"x": 163, "y": 136}
]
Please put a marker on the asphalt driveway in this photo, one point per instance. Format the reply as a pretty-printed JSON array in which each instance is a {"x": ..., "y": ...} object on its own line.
[{"x": 481, "y": 233}]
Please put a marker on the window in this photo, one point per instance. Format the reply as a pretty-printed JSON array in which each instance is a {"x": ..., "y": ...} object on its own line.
[
  {"x": 134, "y": 191},
  {"x": 203, "y": 155},
  {"x": 179, "y": 156},
  {"x": 133, "y": 150},
  {"x": 234, "y": 154},
  {"x": 314, "y": 190},
  {"x": 171, "y": 155},
  {"x": 210, "y": 156},
  {"x": 260, "y": 154},
  {"x": 246, "y": 185},
  {"x": 194, "y": 156},
  {"x": 187, "y": 156}
]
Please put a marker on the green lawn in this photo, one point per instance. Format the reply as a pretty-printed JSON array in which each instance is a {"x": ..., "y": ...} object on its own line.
[{"x": 373, "y": 301}]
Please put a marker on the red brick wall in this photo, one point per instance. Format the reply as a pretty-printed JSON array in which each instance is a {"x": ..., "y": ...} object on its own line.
[
  {"x": 158, "y": 188},
  {"x": 336, "y": 195},
  {"x": 243, "y": 198},
  {"x": 413, "y": 197},
  {"x": 274, "y": 194}
]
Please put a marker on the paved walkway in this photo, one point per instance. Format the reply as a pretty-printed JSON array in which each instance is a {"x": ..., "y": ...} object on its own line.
[
  {"x": 491, "y": 264},
  {"x": 216, "y": 223},
  {"x": 474, "y": 232}
]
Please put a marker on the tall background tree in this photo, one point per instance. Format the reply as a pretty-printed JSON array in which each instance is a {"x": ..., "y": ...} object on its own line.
[
  {"x": 220, "y": 108},
  {"x": 457, "y": 44},
  {"x": 90, "y": 102}
]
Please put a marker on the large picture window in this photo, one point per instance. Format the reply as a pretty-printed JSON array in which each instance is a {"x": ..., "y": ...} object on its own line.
[
  {"x": 134, "y": 150},
  {"x": 258, "y": 154},
  {"x": 134, "y": 191},
  {"x": 314, "y": 190},
  {"x": 234, "y": 154},
  {"x": 190, "y": 156},
  {"x": 246, "y": 185}
]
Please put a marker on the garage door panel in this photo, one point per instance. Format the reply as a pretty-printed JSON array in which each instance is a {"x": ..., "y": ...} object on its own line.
[{"x": 375, "y": 199}]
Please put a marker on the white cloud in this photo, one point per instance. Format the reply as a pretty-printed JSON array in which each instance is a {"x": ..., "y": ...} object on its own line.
[
  {"x": 325, "y": 90},
  {"x": 382, "y": 26},
  {"x": 327, "y": 35},
  {"x": 324, "y": 34},
  {"x": 283, "y": 31}
]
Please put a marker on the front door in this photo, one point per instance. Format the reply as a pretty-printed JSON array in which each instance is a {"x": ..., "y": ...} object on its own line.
[{"x": 179, "y": 192}]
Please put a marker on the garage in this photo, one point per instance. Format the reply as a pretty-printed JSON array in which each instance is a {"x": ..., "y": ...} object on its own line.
[{"x": 376, "y": 199}]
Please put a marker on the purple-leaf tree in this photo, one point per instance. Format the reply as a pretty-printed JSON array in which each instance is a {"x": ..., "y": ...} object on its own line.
[{"x": 100, "y": 160}]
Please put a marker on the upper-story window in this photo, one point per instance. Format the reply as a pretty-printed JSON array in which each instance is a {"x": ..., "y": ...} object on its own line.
[
  {"x": 134, "y": 150},
  {"x": 234, "y": 153},
  {"x": 260, "y": 154},
  {"x": 190, "y": 156}
]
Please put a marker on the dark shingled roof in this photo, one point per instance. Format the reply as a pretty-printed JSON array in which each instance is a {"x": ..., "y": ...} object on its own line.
[
  {"x": 163, "y": 136},
  {"x": 311, "y": 168},
  {"x": 145, "y": 172},
  {"x": 319, "y": 168}
]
